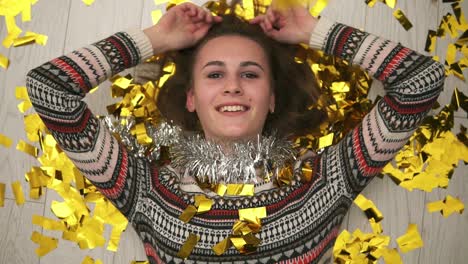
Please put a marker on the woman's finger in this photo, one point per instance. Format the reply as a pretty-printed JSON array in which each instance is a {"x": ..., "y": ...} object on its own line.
[
  {"x": 271, "y": 15},
  {"x": 257, "y": 19},
  {"x": 189, "y": 8},
  {"x": 268, "y": 24}
]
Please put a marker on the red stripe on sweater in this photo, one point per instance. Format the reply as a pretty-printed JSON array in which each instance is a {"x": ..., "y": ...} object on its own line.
[
  {"x": 342, "y": 40},
  {"x": 151, "y": 252},
  {"x": 393, "y": 64},
  {"x": 361, "y": 160},
  {"x": 75, "y": 76},
  {"x": 68, "y": 128},
  {"x": 403, "y": 109},
  {"x": 116, "y": 190},
  {"x": 122, "y": 51},
  {"x": 162, "y": 191}
]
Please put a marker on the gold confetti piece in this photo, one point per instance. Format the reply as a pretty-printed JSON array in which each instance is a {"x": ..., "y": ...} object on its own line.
[
  {"x": 140, "y": 262},
  {"x": 88, "y": 2},
  {"x": 5, "y": 141},
  {"x": 21, "y": 41},
  {"x": 188, "y": 213},
  {"x": 326, "y": 141},
  {"x": 18, "y": 192},
  {"x": 430, "y": 41},
  {"x": 155, "y": 16},
  {"x": 203, "y": 204},
  {"x": 390, "y": 3},
  {"x": 26, "y": 12},
  {"x": 46, "y": 244},
  {"x": 222, "y": 246},
  {"x": 371, "y": 3},
  {"x": 24, "y": 106},
  {"x": 4, "y": 62},
  {"x": 401, "y": 17},
  {"x": 13, "y": 31},
  {"x": 27, "y": 148},
  {"x": 451, "y": 54},
  {"x": 392, "y": 256},
  {"x": 61, "y": 209},
  {"x": 89, "y": 260},
  {"x": 368, "y": 207},
  {"x": 447, "y": 206},
  {"x": 221, "y": 189},
  {"x": 252, "y": 214},
  {"x": 21, "y": 93},
  {"x": 411, "y": 240},
  {"x": 240, "y": 189},
  {"x": 2, "y": 194},
  {"x": 188, "y": 246},
  {"x": 114, "y": 239},
  {"x": 318, "y": 7},
  {"x": 48, "y": 224},
  {"x": 376, "y": 226}
]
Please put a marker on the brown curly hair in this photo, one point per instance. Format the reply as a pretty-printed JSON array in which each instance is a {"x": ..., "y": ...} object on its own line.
[{"x": 294, "y": 84}]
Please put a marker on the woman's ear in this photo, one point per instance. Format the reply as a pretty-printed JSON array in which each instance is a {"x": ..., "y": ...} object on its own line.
[{"x": 190, "y": 102}]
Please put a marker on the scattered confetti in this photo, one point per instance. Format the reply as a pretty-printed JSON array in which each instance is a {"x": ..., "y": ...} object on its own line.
[
  {"x": 4, "y": 62},
  {"x": 5, "y": 141},
  {"x": 89, "y": 260},
  {"x": 411, "y": 240},
  {"x": 447, "y": 206},
  {"x": 2, "y": 194},
  {"x": 369, "y": 208},
  {"x": 46, "y": 244},
  {"x": 401, "y": 17},
  {"x": 88, "y": 2},
  {"x": 18, "y": 192},
  {"x": 188, "y": 246}
]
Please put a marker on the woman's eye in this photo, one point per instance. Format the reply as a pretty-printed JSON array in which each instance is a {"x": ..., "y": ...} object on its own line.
[
  {"x": 214, "y": 75},
  {"x": 249, "y": 75}
]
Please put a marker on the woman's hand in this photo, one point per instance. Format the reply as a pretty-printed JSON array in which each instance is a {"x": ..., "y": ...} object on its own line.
[
  {"x": 181, "y": 27},
  {"x": 291, "y": 25}
]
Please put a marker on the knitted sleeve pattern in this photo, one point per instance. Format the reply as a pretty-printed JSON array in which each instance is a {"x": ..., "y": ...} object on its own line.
[
  {"x": 412, "y": 83},
  {"x": 56, "y": 90}
]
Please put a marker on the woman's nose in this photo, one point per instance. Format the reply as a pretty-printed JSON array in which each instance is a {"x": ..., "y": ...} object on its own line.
[{"x": 233, "y": 87}]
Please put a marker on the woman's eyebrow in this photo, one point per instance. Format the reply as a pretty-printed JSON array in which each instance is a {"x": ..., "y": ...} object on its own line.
[
  {"x": 242, "y": 64},
  {"x": 248, "y": 63}
]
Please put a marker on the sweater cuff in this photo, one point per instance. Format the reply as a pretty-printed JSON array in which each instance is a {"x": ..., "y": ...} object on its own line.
[
  {"x": 142, "y": 42},
  {"x": 320, "y": 33}
]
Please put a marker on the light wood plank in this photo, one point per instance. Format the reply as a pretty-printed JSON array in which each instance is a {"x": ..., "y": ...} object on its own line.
[
  {"x": 130, "y": 248},
  {"x": 68, "y": 251},
  {"x": 16, "y": 164},
  {"x": 451, "y": 82},
  {"x": 398, "y": 206},
  {"x": 445, "y": 238},
  {"x": 15, "y": 235}
]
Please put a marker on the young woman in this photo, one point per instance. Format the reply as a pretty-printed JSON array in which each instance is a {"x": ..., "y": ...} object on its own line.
[{"x": 234, "y": 83}]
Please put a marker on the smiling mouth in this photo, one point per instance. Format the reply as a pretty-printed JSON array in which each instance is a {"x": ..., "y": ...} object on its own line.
[{"x": 232, "y": 108}]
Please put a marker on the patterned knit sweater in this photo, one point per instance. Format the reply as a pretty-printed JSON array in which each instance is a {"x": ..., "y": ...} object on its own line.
[{"x": 303, "y": 219}]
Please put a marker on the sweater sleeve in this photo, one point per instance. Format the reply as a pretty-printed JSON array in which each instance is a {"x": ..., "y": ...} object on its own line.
[
  {"x": 56, "y": 89},
  {"x": 412, "y": 83}
]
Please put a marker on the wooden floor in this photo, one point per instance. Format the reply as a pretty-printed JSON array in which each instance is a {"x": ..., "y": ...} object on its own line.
[{"x": 70, "y": 25}]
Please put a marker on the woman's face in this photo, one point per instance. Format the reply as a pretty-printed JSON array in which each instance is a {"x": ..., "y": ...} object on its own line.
[{"x": 231, "y": 91}]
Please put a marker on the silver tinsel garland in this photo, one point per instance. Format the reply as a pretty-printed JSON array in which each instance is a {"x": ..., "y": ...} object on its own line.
[{"x": 241, "y": 162}]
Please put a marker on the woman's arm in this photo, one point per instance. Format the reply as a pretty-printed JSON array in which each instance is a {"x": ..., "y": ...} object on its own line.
[
  {"x": 412, "y": 83},
  {"x": 57, "y": 88}
]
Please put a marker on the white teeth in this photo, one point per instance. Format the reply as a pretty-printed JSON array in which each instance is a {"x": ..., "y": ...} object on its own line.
[{"x": 232, "y": 108}]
